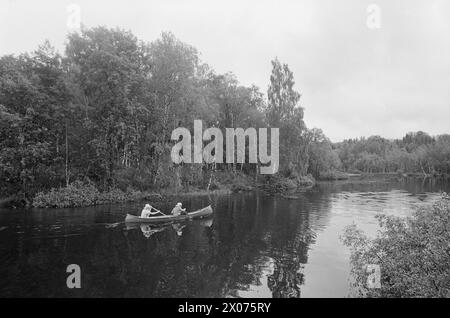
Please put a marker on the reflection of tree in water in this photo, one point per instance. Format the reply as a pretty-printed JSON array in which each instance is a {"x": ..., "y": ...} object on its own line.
[
  {"x": 286, "y": 280},
  {"x": 230, "y": 256},
  {"x": 290, "y": 241},
  {"x": 278, "y": 230}
]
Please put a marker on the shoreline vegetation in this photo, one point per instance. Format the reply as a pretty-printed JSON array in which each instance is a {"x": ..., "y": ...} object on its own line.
[
  {"x": 412, "y": 254},
  {"x": 83, "y": 194},
  {"x": 79, "y": 194},
  {"x": 93, "y": 125}
]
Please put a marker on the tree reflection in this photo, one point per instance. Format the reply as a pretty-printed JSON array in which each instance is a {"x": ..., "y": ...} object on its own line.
[{"x": 252, "y": 242}]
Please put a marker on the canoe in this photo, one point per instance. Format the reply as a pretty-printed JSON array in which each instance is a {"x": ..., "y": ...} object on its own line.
[{"x": 199, "y": 214}]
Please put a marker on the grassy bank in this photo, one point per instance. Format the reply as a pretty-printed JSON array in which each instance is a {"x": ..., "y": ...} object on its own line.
[
  {"x": 276, "y": 184},
  {"x": 80, "y": 194}
]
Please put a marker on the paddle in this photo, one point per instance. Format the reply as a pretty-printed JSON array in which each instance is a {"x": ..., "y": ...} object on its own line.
[{"x": 157, "y": 211}]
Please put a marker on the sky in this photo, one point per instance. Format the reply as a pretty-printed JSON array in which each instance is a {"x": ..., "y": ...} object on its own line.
[{"x": 378, "y": 67}]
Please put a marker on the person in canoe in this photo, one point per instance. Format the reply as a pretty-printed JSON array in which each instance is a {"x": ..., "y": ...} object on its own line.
[
  {"x": 147, "y": 211},
  {"x": 178, "y": 210}
]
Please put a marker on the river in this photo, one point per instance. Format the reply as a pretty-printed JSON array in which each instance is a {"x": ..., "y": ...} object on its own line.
[{"x": 254, "y": 246}]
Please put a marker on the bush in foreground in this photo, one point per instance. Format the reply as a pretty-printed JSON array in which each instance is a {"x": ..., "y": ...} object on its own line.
[{"x": 413, "y": 254}]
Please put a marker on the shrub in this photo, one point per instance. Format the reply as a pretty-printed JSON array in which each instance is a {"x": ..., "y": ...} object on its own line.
[
  {"x": 413, "y": 254},
  {"x": 112, "y": 196},
  {"x": 278, "y": 184},
  {"x": 76, "y": 194},
  {"x": 79, "y": 194},
  {"x": 306, "y": 181}
]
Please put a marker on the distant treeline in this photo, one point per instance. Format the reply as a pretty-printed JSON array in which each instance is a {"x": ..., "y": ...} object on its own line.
[
  {"x": 417, "y": 152},
  {"x": 103, "y": 112}
]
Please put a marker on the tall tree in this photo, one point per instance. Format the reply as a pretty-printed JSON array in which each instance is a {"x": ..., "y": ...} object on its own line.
[{"x": 283, "y": 112}]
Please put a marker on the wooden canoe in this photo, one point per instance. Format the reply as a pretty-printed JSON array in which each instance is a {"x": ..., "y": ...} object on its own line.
[{"x": 199, "y": 214}]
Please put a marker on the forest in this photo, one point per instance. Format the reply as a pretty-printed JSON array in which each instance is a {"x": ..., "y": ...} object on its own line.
[
  {"x": 416, "y": 152},
  {"x": 97, "y": 120}
]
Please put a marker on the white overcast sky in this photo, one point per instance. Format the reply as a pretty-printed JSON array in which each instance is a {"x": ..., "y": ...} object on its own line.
[{"x": 355, "y": 81}]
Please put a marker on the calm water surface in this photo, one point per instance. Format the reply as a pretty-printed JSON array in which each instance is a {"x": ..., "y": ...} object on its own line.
[{"x": 254, "y": 246}]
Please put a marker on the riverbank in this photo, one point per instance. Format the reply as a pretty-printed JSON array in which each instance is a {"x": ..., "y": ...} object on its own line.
[
  {"x": 60, "y": 199},
  {"x": 79, "y": 194},
  {"x": 410, "y": 174},
  {"x": 338, "y": 176}
]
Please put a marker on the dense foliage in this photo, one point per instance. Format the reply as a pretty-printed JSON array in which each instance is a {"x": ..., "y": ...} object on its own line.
[
  {"x": 79, "y": 194},
  {"x": 413, "y": 254},
  {"x": 416, "y": 152},
  {"x": 103, "y": 114}
]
